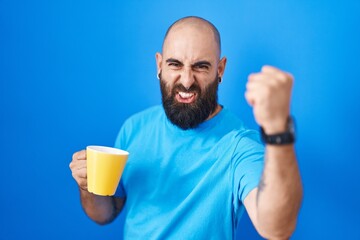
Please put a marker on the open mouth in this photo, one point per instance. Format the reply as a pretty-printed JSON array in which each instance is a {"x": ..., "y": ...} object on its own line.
[{"x": 185, "y": 97}]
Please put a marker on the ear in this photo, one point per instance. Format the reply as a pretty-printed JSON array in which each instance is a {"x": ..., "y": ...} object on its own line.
[
  {"x": 158, "y": 57},
  {"x": 221, "y": 67}
]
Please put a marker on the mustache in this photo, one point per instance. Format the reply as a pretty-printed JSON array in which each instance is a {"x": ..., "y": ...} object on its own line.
[{"x": 181, "y": 88}]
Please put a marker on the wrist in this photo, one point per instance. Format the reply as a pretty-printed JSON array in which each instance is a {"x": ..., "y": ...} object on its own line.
[
  {"x": 278, "y": 135},
  {"x": 275, "y": 127}
]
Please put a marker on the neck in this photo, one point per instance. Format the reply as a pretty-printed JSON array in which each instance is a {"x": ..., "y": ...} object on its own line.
[{"x": 217, "y": 110}]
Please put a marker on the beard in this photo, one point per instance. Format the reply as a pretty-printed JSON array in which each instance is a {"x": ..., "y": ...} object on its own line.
[{"x": 189, "y": 115}]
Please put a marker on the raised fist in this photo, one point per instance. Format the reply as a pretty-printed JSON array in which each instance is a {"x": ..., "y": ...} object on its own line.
[{"x": 269, "y": 93}]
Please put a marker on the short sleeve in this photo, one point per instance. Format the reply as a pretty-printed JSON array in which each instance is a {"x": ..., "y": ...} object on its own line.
[
  {"x": 120, "y": 141},
  {"x": 248, "y": 161}
]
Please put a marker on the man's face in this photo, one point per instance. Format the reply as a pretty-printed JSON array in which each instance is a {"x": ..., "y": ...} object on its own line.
[{"x": 189, "y": 70}]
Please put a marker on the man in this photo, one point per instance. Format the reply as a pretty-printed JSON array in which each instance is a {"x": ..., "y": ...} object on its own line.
[{"x": 193, "y": 165}]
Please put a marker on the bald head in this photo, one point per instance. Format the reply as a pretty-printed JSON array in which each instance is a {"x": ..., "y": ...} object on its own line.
[{"x": 199, "y": 25}]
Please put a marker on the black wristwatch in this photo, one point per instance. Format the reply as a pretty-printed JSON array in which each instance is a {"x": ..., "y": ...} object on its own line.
[{"x": 287, "y": 137}]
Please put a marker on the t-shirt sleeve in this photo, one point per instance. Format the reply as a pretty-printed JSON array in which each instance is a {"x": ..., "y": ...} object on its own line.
[
  {"x": 248, "y": 161},
  {"x": 120, "y": 143}
]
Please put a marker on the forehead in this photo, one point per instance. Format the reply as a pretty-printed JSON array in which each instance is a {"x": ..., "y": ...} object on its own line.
[{"x": 191, "y": 42}]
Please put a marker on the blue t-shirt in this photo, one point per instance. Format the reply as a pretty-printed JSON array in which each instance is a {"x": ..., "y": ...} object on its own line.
[{"x": 186, "y": 184}]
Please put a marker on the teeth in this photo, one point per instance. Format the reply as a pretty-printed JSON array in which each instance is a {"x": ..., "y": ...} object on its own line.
[{"x": 186, "y": 95}]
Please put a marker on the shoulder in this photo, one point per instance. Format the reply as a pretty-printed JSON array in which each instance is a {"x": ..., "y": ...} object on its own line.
[
  {"x": 138, "y": 124},
  {"x": 232, "y": 120},
  {"x": 240, "y": 132},
  {"x": 232, "y": 123},
  {"x": 153, "y": 113}
]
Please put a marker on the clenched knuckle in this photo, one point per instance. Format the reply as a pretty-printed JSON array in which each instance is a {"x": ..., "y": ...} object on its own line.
[
  {"x": 282, "y": 77},
  {"x": 288, "y": 77},
  {"x": 274, "y": 84}
]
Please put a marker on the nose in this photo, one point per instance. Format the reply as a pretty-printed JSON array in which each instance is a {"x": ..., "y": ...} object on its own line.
[{"x": 187, "y": 78}]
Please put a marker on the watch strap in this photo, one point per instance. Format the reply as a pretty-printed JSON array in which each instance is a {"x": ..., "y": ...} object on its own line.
[{"x": 287, "y": 137}]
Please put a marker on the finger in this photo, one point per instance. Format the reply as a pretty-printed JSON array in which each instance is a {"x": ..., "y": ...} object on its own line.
[
  {"x": 82, "y": 173},
  {"x": 260, "y": 92},
  {"x": 81, "y": 155},
  {"x": 80, "y": 177},
  {"x": 279, "y": 74},
  {"x": 261, "y": 77},
  {"x": 78, "y": 169},
  {"x": 254, "y": 77},
  {"x": 82, "y": 183},
  {"x": 74, "y": 164},
  {"x": 261, "y": 83},
  {"x": 250, "y": 98},
  {"x": 254, "y": 84},
  {"x": 270, "y": 69}
]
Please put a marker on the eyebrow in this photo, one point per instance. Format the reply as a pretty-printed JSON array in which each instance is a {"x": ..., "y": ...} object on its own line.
[{"x": 199, "y": 63}]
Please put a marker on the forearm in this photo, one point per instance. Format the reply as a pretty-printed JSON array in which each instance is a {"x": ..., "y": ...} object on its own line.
[
  {"x": 101, "y": 209},
  {"x": 279, "y": 193}
]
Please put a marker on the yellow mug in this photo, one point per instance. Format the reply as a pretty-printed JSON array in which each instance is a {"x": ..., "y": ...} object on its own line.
[{"x": 105, "y": 166}]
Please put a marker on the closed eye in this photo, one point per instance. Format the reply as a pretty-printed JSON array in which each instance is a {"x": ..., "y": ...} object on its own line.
[
  {"x": 202, "y": 65},
  {"x": 174, "y": 63}
]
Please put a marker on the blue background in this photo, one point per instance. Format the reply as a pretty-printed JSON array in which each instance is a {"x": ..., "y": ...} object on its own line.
[{"x": 72, "y": 71}]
